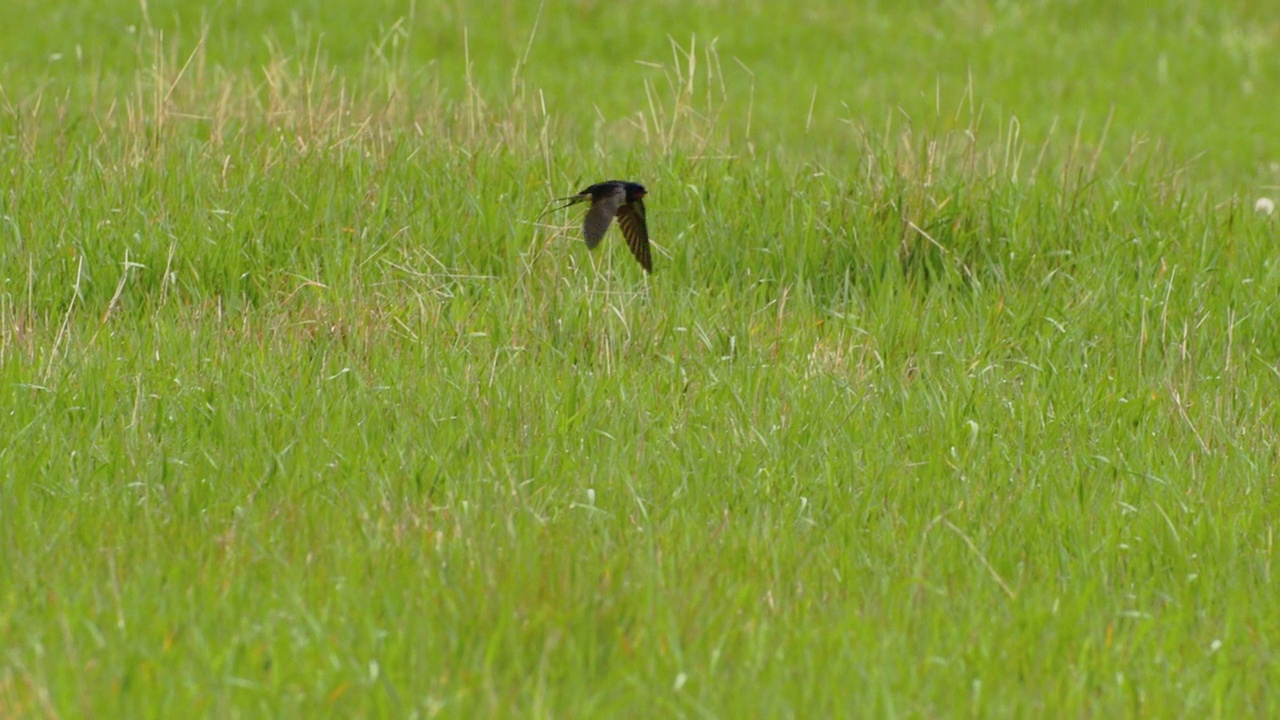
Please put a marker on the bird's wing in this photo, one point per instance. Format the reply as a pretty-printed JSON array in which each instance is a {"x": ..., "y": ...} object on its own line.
[
  {"x": 634, "y": 229},
  {"x": 601, "y": 214}
]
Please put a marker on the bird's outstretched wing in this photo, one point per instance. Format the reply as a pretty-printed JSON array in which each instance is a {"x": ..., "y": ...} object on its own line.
[
  {"x": 601, "y": 215},
  {"x": 636, "y": 231}
]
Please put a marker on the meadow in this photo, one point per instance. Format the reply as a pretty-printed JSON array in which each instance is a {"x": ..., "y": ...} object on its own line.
[{"x": 953, "y": 393}]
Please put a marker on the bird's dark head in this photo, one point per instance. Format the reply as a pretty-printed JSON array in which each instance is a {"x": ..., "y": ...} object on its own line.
[{"x": 635, "y": 191}]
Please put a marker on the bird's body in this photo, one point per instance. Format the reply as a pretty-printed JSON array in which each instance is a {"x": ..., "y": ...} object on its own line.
[{"x": 621, "y": 199}]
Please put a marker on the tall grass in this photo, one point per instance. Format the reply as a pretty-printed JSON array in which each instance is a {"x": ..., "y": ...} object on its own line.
[{"x": 940, "y": 409}]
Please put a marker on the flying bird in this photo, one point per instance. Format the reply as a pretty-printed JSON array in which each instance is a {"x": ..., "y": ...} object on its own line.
[{"x": 621, "y": 199}]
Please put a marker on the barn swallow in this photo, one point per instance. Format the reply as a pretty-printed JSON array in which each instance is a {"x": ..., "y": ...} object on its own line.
[{"x": 621, "y": 199}]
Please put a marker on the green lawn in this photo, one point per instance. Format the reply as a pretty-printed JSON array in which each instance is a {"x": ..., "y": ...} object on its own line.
[{"x": 954, "y": 391}]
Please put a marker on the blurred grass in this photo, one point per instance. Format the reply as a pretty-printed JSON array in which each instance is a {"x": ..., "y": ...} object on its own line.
[
  {"x": 951, "y": 393},
  {"x": 1194, "y": 76}
]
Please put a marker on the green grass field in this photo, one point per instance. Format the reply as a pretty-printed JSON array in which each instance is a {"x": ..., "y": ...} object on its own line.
[{"x": 954, "y": 391}]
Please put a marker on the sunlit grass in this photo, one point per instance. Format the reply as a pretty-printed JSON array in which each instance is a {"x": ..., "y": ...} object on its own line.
[{"x": 951, "y": 393}]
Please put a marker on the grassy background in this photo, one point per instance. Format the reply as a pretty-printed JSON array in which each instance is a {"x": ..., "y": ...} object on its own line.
[{"x": 953, "y": 392}]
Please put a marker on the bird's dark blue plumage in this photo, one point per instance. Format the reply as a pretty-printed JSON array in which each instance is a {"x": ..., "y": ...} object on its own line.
[{"x": 624, "y": 200}]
